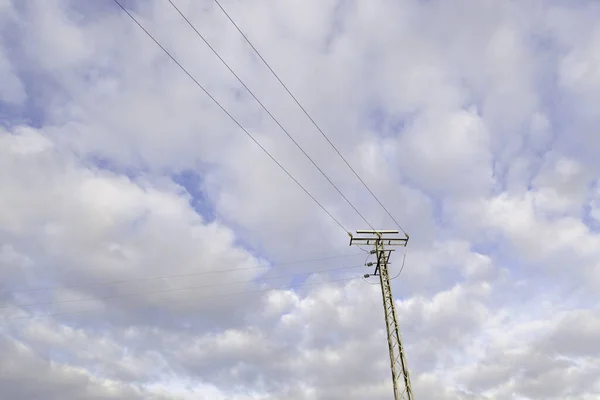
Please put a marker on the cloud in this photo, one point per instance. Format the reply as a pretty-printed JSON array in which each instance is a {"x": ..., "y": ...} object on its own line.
[
  {"x": 127, "y": 199},
  {"x": 55, "y": 380}
]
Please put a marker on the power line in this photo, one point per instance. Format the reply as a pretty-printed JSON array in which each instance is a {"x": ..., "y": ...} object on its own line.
[
  {"x": 402, "y": 267},
  {"x": 395, "y": 276},
  {"x": 269, "y": 113},
  {"x": 38, "y": 289},
  {"x": 310, "y": 118},
  {"x": 201, "y": 297},
  {"x": 169, "y": 290},
  {"x": 230, "y": 116}
]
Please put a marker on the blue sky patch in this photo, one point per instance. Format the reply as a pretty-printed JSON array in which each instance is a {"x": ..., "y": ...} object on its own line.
[{"x": 193, "y": 183}]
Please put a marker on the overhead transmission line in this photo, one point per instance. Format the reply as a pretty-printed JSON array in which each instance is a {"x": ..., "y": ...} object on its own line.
[
  {"x": 309, "y": 117},
  {"x": 400, "y": 375},
  {"x": 121, "y": 295},
  {"x": 114, "y": 282},
  {"x": 230, "y": 116},
  {"x": 270, "y": 114},
  {"x": 200, "y": 297}
]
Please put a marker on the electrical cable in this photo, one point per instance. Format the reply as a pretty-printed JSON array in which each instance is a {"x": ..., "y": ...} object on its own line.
[
  {"x": 402, "y": 267},
  {"x": 270, "y": 114},
  {"x": 37, "y": 289},
  {"x": 230, "y": 116},
  {"x": 397, "y": 275},
  {"x": 364, "y": 277},
  {"x": 370, "y": 283},
  {"x": 201, "y": 297},
  {"x": 360, "y": 248},
  {"x": 167, "y": 290},
  {"x": 309, "y": 117}
]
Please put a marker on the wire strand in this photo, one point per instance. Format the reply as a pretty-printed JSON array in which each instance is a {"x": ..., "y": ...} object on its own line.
[
  {"x": 370, "y": 283},
  {"x": 309, "y": 117},
  {"x": 270, "y": 114},
  {"x": 167, "y": 290},
  {"x": 397, "y": 275},
  {"x": 178, "y": 300},
  {"x": 364, "y": 277},
  {"x": 402, "y": 267},
  {"x": 37, "y": 289},
  {"x": 230, "y": 116}
]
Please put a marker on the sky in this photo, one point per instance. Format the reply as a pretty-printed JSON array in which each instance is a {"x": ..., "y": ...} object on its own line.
[{"x": 149, "y": 249}]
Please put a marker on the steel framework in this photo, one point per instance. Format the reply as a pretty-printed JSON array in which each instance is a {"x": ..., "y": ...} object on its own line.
[{"x": 380, "y": 241}]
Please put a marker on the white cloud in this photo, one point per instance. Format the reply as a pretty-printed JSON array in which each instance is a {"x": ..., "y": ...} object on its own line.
[
  {"x": 462, "y": 150},
  {"x": 475, "y": 124},
  {"x": 55, "y": 380}
]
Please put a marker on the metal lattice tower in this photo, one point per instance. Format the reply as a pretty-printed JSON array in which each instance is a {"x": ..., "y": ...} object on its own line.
[{"x": 379, "y": 240}]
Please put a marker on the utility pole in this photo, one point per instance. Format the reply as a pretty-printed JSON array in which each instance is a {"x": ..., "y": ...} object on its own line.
[{"x": 382, "y": 240}]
